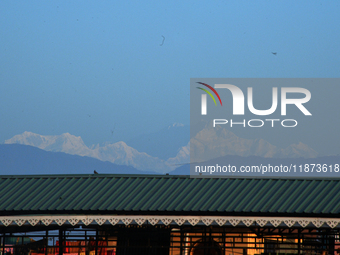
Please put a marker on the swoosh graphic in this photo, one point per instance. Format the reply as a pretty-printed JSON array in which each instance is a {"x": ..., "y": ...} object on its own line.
[
  {"x": 209, "y": 94},
  {"x": 218, "y": 96}
]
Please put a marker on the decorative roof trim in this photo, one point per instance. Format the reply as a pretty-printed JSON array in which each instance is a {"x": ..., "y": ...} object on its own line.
[{"x": 167, "y": 220}]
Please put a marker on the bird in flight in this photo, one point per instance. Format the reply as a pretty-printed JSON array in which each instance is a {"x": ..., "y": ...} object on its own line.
[
  {"x": 162, "y": 41},
  {"x": 274, "y": 53}
]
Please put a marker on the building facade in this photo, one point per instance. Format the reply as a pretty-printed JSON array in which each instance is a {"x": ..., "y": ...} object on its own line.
[{"x": 144, "y": 214}]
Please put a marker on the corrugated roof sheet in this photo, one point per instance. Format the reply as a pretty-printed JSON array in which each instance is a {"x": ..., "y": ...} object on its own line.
[{"x": 66, "y": 194}]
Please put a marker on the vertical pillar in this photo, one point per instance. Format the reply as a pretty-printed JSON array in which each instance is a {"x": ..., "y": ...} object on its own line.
[
  {"x": 3, "y": 243},
  {"x": 205, "y": 242},
  {"x": 299, "y": 242},
  {"x": 244, "y": 243},
  {"x": 87, "y": 243},
  {"x": 61, "y": 240},
  {"x": 224, "y": 241},
  {"x": 331, "y": 244},
  {"x": 96, "y": 251},
  {"x": 46, "y": 247},
  {"x": 181, "y": 241}
]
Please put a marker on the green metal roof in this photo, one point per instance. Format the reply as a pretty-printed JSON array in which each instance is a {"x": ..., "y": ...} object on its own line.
[{"x": 145, "y": 194}]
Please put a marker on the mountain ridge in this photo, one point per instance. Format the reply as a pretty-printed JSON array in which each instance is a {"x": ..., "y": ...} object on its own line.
[
  {"x": 25, "y": 159},
  {"x": 119, "y": 153},
  {"x": 207, "y": 144}
]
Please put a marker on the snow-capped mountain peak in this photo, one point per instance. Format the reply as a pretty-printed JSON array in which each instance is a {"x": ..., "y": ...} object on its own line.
[
  {"x": 60, "y": 143},
  {"x": 207, "y": 144},
  {"x": 118, "y": 153}
]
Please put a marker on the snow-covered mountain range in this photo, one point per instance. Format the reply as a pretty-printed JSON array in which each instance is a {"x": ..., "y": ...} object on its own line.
[
  {"x": 207, "y": 144},
  {"x": 119, "y": 153}
]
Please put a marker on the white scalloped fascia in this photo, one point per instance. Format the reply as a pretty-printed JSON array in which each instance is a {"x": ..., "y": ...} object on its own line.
[{"x": 73, "y": 220}]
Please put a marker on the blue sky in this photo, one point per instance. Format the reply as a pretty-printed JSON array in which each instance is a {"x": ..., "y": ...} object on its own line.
[{"x": 93, "y": 67}]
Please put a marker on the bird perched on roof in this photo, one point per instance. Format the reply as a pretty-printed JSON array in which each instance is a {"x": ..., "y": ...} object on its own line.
[{"x": 95, "y": 172}]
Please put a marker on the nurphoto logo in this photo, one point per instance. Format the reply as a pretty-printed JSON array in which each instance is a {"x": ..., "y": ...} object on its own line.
[
  {"x": 264, "y": 127},
  {"x": 238, "y": 104}
]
